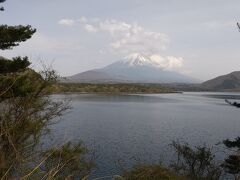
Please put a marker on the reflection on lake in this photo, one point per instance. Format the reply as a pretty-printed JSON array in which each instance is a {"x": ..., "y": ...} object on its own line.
[{"x": 128, "y": 127}]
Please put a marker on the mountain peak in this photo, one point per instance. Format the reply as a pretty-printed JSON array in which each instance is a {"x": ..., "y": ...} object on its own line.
[
  {"x": 137, "y": 68},
  {"x": 134, "y": 56},
  {"x": 137, "y": 59}
]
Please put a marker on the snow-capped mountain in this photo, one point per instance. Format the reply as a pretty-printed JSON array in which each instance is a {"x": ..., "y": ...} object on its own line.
[
  {"x": 133, "y": 68},
  {"x": 135, "y": 60}
]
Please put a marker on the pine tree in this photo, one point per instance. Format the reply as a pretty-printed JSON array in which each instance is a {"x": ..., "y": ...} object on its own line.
[
  {"x": 26, "y": 111},
  {"x": 11, "y": 36},
  {"x": 2, "y": 8}
]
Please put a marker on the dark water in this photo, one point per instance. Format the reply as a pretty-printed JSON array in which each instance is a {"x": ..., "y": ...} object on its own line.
[{"x": 125, "y": 129}]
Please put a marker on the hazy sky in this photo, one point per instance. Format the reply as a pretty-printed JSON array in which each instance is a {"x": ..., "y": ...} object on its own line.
[{"x": 199, "y": 38}]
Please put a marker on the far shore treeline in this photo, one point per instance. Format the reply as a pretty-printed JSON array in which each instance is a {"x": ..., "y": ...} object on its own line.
[
  {"x": 129, "y": 88},
  {"x": 109, "y": 88}
]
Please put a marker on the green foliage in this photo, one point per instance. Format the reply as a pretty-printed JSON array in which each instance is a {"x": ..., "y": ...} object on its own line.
[
  {"x": 109, "y": 88},
  {"x": 14, "y": 65},
  {"x": 67, "y": 161},
  {"x": 191, "y": 163},
  {"x": 15, "y": 78},
  {"x": 11, "y": 36},
  {"x": 26, "y": 111},
  {"x": 20, "y": 84},
  {"x": 151, "y": 172},
  {"x": 232, "y": 144},
  {"x": 23, "y": 120},
  {"x": 195, "y": 163},
  {"x": 232, "y": 162}
]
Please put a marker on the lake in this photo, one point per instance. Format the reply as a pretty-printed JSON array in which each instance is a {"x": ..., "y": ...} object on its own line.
[{"x": 125, "y": 129}]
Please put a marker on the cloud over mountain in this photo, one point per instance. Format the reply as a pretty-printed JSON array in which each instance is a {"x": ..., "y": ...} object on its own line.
[
  {"x": 169, "y": 62},
  {"x": 125, "y": 37},
  {"x": 66, "y": 22},
  {"x": 128, "y": 38}
]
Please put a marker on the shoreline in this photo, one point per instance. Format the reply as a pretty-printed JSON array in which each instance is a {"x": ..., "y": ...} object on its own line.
[{"x": 109, "y": 93}]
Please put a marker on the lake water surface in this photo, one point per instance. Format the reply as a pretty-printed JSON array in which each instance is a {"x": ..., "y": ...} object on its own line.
[{"x": 124, "y": 129}]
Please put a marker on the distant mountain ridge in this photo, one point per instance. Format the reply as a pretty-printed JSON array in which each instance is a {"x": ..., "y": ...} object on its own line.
[
  {"x": 134, "y": 68},
  {"x": 226, "y": 82}
]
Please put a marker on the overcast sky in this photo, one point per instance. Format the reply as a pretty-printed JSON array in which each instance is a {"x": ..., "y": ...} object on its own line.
[{"x": 199, "y": 38}]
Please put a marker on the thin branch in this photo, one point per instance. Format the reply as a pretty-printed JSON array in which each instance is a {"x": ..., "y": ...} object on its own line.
[{"x": 29, "y": 174}]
